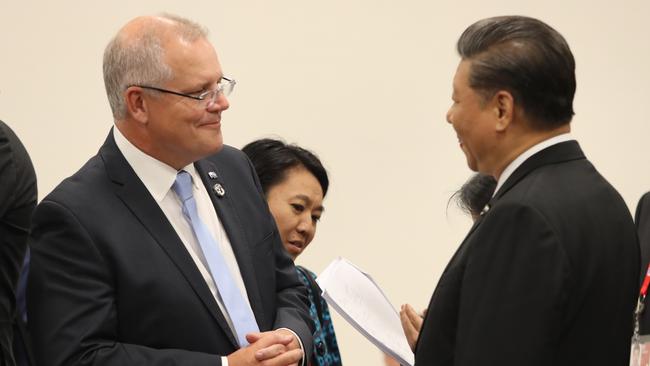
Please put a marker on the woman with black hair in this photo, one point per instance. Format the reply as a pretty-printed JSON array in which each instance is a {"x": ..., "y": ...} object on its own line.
[{"x": 295, "y": 183}]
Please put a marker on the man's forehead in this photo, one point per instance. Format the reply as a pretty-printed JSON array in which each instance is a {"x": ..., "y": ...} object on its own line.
[{"x": 462, "y": 74}]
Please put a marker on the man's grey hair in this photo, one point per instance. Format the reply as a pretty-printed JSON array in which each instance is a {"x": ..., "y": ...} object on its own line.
[{"x": 141, "y": 60}]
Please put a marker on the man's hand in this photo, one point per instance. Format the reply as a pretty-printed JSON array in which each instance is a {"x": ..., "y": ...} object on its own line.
[
  {"x": 412, "y": 323},
  {"x": 274, "y": 348}
]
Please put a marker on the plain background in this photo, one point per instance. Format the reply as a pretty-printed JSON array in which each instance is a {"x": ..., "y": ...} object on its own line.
[{"x": 364, "y": 84}]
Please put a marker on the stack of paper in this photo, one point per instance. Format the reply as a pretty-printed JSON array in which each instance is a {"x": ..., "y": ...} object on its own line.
[{"x": 354, "y": 295}]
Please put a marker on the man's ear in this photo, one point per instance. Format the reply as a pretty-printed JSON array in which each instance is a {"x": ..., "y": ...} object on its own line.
[
  {"x": 136, "y": 105},
  {"x": 504, "y": 109}
]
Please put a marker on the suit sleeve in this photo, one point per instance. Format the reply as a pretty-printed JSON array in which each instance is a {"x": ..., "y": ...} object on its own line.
[
  {"x": 513, "y": 292},
  {"x": 17, "y": 201},
  {"x": 292, "y": 301},
  {"x": 77, "y": 325}
]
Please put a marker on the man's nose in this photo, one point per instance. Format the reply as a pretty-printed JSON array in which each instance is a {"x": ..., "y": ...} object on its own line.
[{"x": 220, "y": 104}]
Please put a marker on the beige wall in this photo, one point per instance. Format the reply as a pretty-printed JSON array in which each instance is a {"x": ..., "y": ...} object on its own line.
[{"x": 365, "y": 84}]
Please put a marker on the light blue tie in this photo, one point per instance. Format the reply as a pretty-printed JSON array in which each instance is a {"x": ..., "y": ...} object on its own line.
[{"x": 240, "y": 313}]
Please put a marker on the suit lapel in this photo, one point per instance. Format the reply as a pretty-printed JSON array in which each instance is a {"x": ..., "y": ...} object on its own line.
[
  {"x": 137, "y": 198},
  {"x": 235, "y": 230},
  {"x": 461, "y": 249}
]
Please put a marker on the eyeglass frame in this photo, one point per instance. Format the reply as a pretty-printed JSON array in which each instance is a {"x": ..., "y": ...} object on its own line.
[{"x": 200, "y": 97}]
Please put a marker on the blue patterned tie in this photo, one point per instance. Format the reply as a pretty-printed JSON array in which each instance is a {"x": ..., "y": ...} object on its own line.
[{"x": 240, "y": 313}]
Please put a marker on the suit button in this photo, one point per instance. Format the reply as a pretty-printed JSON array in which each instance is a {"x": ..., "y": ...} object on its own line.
[{"x": 320, "y": 348}]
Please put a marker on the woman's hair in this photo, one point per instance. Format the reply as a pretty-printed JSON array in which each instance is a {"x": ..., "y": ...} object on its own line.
[
  {"x": 475, "y": 193},
  {"x": 273, "y": 158}
]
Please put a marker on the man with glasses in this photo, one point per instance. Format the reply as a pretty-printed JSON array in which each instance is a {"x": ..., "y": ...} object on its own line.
[{"x": 161, "y": 249}]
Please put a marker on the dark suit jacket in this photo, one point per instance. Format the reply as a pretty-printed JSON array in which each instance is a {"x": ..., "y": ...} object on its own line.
[
  {"x": 17, "y": 201},
  {"x": 642, "y": 220},
  {"x": 112, "y": 284},
  {"x": 548, "y": 276}
]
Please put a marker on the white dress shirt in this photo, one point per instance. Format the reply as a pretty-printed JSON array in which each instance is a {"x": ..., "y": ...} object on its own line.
[
  {"x": 507, "y": 172},
  {"x": 158, "y": 178}
]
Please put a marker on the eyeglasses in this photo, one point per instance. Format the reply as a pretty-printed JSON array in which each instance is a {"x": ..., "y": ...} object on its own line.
[{"x": 205, "y": 99}]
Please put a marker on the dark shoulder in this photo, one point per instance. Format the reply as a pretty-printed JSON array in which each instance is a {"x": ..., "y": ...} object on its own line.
[
  {"x": 16, "y": 167},
  {"x": 234, "y": 167},
  {"x": 12, "y": 148},
  {"x": 571, "y": 184},
  {"x": 230, "y": 160},
  {"x": 642, "y": 208},
  {"x": 230, "y": 157},
  {"x": 645, "y": 199},
  {"x": 507, "y": 211},
  {"x": 84, "y": 186}
]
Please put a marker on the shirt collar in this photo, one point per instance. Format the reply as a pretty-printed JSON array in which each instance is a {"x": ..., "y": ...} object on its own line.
[
  {"x": 507, "y": 172},
  {"x": 156, "y": 176}
]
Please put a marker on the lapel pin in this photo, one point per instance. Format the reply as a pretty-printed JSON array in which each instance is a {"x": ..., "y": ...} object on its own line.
[
  {"x": 218, "y": 189},
  {"x": 212, "y": 175},
  {"x": 485, "y": 210}
]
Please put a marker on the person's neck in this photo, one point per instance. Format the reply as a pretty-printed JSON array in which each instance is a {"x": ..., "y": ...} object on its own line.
[
  {"x": 524, "y": 141},
  {"x": 138, "y": 137}
]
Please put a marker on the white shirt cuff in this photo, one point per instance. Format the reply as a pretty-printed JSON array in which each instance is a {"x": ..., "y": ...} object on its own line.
[{"x": 224, "y": 361}]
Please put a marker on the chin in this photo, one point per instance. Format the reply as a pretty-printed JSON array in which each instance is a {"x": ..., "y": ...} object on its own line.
[
  {"x": 471, "y": 164},
  {"x": 213, "y": 145}
]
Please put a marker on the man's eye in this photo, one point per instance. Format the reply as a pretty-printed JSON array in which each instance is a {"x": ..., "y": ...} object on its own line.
[
  {"x": 315, "y": 218},
  {"x": 200, "y": 93},
  {"x": 298, "y": 207}
]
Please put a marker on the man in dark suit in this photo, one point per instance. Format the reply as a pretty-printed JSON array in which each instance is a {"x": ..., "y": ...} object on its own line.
[
  {"x": 548, "y": 275},
  {"x": 161, "y": 249},
  {"x": 18, "y": 194}
]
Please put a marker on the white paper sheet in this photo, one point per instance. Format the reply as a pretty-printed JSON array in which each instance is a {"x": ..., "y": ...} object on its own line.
[{"x": 358, "y": 299}]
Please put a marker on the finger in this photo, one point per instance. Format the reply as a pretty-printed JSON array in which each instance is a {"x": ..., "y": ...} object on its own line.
[
  {"x": 288, "y": 358},
  {"x": 254, "y": 337},
  {"x": 294, "y": 344},
  {"x": 262, "y": 340},
  {"x": 413, "y": 316},
  {"x": 270, "y": 352},
  {"x": 417, "y": 323},
  {"x": 409, "y": 309},
  {"x": 265, "y": 339},
  {"x": 287, "y": 337},
  {"x": 409, "y": 330},
  {"x": 407, "y": 324}
]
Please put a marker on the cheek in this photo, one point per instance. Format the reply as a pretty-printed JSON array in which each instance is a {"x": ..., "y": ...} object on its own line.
[
  {"x": 282, "y": 220},
  {"x": 311, "y": 235},
  {"x": 459, "y": 120}
]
